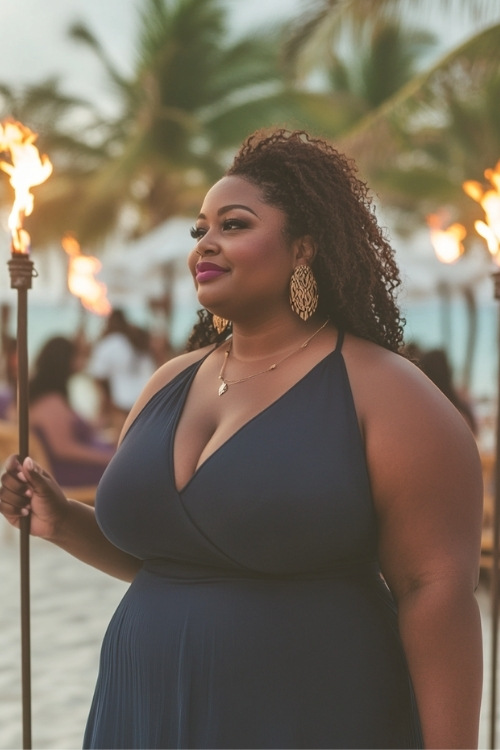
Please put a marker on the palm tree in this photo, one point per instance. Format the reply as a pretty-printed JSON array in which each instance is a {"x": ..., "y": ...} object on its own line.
[
  {"x": 440, "y": 129},
  {"x": 192, "y": 98},
  {"x": 52, "y": 115},
  {"x": 427, "y": 124}
]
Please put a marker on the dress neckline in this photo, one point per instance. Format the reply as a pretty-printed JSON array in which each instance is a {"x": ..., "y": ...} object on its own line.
[{"x": 260, "y": 414}]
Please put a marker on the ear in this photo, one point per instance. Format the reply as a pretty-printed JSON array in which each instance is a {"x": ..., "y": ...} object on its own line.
[{"x": 304, "y": 250}]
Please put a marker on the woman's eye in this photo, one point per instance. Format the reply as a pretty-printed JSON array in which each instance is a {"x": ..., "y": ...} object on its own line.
[
  {"x": 197, "y": 233},
  {"x": 233, "y": 224}
]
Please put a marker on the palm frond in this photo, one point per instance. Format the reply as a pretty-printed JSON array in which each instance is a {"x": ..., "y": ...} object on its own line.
[
  {"x": 323, "y": 23},
  {"x": 483, "y": 50}
]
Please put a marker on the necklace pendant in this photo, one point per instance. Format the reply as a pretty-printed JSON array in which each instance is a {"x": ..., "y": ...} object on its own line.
[{"x": 222, "y": 388}]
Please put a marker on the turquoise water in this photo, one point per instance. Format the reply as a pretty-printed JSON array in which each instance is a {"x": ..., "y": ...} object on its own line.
[
  {"x": 429, "y": 323},
  {"x": 434, "y": 324}
]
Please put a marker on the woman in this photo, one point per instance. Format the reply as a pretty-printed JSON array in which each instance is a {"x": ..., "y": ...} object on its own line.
[
  {"x": 297, "y": 506},
  {"x": 77, "y": 454}
]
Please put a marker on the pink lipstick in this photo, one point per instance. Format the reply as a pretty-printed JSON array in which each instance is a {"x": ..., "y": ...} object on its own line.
[{"x": 208, "y": 271}]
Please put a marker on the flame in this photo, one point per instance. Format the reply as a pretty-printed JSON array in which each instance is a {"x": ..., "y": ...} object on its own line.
[
  {"x": 489, "y": 200},
  {"x": 447, "y": 243},
  {"x": 26, "y": 169},
  {"x": 81, "y": 278}
]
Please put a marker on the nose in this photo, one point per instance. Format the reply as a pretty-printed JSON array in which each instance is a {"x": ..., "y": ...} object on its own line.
[{"x": 205, "y": 247}]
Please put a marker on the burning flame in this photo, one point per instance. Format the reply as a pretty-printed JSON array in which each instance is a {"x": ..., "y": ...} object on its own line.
[
  {"x": 447, "y": 243},
  {"x": 26, "y": 169},
  {"x": 81, "y": 278},
  {"x": 489, "y": 201}
]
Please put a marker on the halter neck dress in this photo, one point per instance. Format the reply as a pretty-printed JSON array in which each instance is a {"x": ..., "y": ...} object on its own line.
[{"x": 259, "y": 618}]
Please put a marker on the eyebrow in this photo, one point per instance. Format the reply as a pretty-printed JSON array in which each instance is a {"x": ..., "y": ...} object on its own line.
[{"x": 225, "y": 209}]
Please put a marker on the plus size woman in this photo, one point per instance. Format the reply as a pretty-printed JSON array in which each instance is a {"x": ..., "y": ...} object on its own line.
[{"x": 297, "y": 507}]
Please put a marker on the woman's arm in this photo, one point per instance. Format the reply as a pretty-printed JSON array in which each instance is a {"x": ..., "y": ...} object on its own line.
[
  {"x": 427, "y": 485},
  {"x": 71, "y": 525}
]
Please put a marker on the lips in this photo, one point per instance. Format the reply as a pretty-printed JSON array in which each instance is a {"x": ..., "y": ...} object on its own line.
[{"x": 208, "y": 271}]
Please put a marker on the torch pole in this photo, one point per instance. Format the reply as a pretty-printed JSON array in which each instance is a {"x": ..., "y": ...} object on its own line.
[
  {"x": 496, "y": 549},
  {"x": 21, "y": 274}
]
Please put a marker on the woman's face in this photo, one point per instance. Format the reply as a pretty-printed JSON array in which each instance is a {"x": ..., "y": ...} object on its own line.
[{"x": 243, "y": 261}]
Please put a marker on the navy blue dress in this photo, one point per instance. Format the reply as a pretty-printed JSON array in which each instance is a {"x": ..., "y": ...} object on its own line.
[{"x": 259, "y": 618}]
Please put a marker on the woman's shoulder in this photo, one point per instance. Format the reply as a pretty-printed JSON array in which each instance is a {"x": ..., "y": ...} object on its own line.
[
  {"x": 394, "y": 398},
  {"x": 177, "y": 365},
  {"x": 368, "y": 362},
  {"x": 165, "y": 375}
]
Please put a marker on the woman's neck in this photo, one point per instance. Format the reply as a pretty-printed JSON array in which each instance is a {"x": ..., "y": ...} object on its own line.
[{"x": 253, "y": 342}]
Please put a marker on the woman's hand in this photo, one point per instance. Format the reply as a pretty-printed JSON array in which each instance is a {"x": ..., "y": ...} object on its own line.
[{"x": 27, "y": 489}]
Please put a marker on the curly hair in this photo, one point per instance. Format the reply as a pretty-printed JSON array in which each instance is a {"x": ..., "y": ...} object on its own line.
[{"x": 318, "y": 190}]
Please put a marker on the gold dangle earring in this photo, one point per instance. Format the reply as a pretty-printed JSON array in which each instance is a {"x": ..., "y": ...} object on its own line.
[
  {"x": 220, "y": 324},
  {"x": 303, "y": 292}
]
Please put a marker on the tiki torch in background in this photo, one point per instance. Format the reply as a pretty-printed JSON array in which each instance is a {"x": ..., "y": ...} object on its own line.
[
  {"x": 446, "y": 240},
  {"x": 489, "y": 199},
  {"x": 20, "y": 159},
  {"x": 82, "y": 282}
]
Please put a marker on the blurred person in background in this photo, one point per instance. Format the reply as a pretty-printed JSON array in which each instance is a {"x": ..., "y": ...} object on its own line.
[
  {"x": 121, "y": 364},
  {"x": 77, "y": 452},
  {"x": 8, "y": 368},
  {"x": 436, "y": 365}
]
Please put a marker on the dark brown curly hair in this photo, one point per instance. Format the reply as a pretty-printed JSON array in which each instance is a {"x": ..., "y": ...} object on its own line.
[{"x": 318, "y": 190}]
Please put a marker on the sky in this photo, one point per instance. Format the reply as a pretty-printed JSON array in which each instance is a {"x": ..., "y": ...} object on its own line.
[{"x": 34, "y": 43}]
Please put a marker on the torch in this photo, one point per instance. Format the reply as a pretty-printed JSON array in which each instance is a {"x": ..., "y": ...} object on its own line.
[
  {"x": 489, "y": 229},
  {"x": 83, "y": 285},
  {"x": 448, "y": 247},
  {"x": 22, "y": 162},
  {"x": 82, "y": 270}
]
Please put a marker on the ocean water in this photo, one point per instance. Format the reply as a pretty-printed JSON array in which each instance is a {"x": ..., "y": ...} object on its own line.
[
  {"x": 430, "y": 323},
  {"x": 440, "y": 324}
]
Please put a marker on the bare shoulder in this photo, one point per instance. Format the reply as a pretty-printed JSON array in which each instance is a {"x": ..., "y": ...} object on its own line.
[
  {"x": 412, "y": 432},
  {"x": 164, "y": 375},
  {"x": 168, "y": 371},
  {"x": 387, "y": 384}
]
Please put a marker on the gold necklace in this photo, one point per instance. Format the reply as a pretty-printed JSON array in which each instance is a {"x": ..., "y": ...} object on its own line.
[{"x": 226, "y": 383}]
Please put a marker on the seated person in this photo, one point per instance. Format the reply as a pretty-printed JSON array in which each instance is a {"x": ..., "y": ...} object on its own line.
[{"x": 77, "y": 455}]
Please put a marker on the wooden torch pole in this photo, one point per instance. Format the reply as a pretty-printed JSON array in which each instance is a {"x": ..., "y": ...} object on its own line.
[
  {"x": 21, "y": 274},
  {"x": 496, "y": 551}
]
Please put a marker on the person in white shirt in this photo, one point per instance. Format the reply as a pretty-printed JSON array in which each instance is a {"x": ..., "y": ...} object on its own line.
[{"x": 121, "y": 363}]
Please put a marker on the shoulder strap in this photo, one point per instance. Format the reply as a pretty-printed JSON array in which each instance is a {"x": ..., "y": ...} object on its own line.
[{"x": 340, "y": 340}]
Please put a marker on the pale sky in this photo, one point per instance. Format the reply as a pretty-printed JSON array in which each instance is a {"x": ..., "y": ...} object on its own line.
[{"x": 34, "y": 42}]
